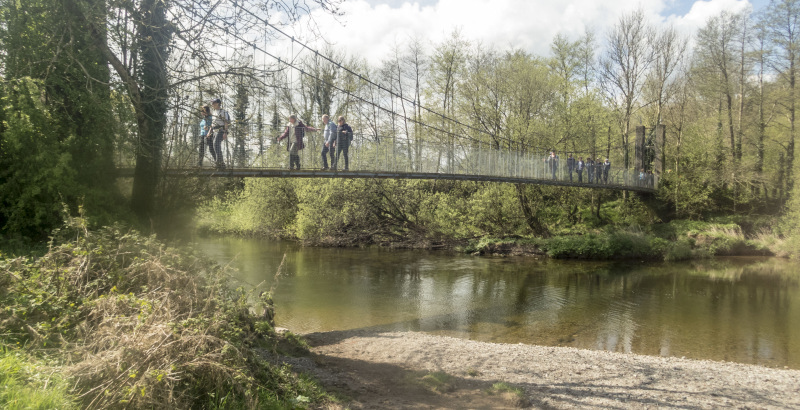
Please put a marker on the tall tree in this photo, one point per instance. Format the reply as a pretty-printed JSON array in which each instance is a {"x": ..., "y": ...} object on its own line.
[
  {"x": 623, "y": 69},
  {"x": 716, "y": 46},
  {"x": 782, "y": 19}
]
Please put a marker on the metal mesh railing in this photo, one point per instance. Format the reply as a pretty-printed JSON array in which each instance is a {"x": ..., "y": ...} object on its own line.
[{"x": 402, "y": 156}]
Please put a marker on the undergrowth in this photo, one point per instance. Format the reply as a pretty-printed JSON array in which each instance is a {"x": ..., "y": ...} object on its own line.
[
  {"x": 29, "y": 383},
  {"x": 674, "y": 241},
  {"x": 135, "y": 324}
]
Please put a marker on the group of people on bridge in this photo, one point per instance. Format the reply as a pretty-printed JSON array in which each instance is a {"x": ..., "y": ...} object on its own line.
[
  {"x": 596, "y": 172},
  {"x": 338, "y": 137},
  {"x": 336, "y": 141}
]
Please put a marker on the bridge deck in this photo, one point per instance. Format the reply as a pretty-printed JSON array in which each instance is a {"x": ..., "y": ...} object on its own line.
[{"x": 285, "y": 173}]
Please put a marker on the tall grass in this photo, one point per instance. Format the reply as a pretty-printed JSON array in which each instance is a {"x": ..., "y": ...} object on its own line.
[
  {"x": 139, "y": 325},
  {"x": 27, "y": 383}
]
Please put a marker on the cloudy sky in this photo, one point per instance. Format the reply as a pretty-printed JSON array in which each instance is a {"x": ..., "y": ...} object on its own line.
[{"x": 369, "y": 28}]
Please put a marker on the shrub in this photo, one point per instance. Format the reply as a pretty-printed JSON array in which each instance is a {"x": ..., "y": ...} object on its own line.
[{"x": 143, "y": 325}]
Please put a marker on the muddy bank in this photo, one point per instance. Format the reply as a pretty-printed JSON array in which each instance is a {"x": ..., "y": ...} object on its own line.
[{"x": 416, "y": 370}]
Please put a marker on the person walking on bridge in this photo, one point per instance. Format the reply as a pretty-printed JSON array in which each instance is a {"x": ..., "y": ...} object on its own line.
[
  {"x": 205, "y": 133},
  {"x": 552, "y": 163},
  {"x": 344, "y": 137},
  {"x": 328, "y": 141},
  {"x": 590, "y": 169},
  {"x": 570, "y": 166},
  {"x": 606, "y": 169},
  {"x": 598, "y": 168},
  {"x": 579, "y": 167},
  {"x": 295, "y": 132},
  {"x": 219, "y": 131}
]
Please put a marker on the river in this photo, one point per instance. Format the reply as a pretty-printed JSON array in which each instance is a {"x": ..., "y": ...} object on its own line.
[{"x": 743, "y": 310}]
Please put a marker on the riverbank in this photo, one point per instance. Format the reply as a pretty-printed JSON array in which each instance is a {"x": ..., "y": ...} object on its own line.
[
  {"x": 417, "y": 370},
  {"x": 109, "y": 318},
  {"x": 674, "y": 241}
]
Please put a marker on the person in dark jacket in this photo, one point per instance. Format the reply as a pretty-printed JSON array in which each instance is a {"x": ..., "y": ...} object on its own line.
[
  {"x": 295, "y": 132},
  {"x": 590, "y": 169},
  {"x": 598, "y": 168},
  {"x": 606, "y": 169},
  {"x": 344, "y": 136},
  {"x": 220, "y": 122},
  {"x": 205, "y": 134},
  {"x": 579, "y": 166},
  {"x": 570, "y": 166}
]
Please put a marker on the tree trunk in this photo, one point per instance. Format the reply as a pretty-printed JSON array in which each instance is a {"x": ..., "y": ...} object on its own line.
[
  {"x": 792, "y": 112},
  {"x": 154, "y": 37},
  {"x": 531, "y": 218}
]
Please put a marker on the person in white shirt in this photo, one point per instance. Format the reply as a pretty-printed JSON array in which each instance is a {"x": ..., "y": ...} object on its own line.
[{"x": 329, "y": 141}]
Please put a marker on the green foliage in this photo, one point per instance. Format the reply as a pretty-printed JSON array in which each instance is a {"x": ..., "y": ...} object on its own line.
[
  {"x": 503, "y": 387},
  {"x": 440, "y": 382},
  {"x": 143, "y": 325},
  {"x": 31, "y": 384},
  {"x": 32, "y": 183},
  {"x": 624, "y": 244},
  {"x": 680, "y": 250},
  {"x": 57, "y": 132}
]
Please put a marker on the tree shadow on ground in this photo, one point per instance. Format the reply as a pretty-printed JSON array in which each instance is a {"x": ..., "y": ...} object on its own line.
[{"x": 388, "y": 385}]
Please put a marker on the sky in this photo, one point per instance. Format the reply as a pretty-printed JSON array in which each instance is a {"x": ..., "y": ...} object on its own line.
[{"x": 371, "y": 28}]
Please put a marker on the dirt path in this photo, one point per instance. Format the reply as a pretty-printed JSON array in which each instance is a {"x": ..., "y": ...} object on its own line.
[{"x": 416, "y": 370}]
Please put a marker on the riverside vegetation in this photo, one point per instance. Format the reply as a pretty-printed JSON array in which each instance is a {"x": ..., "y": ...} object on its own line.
[
  {"x": 101, "y": 316},
  {"x": 108, "y": 317},
  {"x": 484, "y": 218}
]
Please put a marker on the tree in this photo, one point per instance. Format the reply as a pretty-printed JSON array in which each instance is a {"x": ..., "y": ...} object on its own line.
[
  {"x": 623, "y": 69},
  {"x": 447, "y": 64},
  {"x": 156, "y": 45},
  {"x": 57, "y": 137},
  {"x": 716, "y": 43},
  {"x": 782, "y": 20},
  {"x": 241, "y": 123}
]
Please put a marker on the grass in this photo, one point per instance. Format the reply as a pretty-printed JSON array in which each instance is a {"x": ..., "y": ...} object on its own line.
[
  {"x": 513, "y": 394},
  {"x": 439, "y": 382},
  {"x": 471, "y": 372},
  {"x": 28, "y": 383},
  {"x": 142, "y": 325},
  {"x": 674, "y": 241}
]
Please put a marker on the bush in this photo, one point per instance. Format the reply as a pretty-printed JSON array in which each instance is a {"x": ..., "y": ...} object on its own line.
[
  {"x": 626, "y": 244},
  {"x": 143, "y": 325},
  {"x": 679, "y": 250}
]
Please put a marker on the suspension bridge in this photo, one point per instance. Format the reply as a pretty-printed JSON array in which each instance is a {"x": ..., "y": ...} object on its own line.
[
  {"x": 433, "y": 145},
  {"x": 405, "y": 159}
]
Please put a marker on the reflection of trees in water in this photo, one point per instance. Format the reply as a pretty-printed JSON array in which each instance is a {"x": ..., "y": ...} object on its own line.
[{"x": 730, "y": 309}]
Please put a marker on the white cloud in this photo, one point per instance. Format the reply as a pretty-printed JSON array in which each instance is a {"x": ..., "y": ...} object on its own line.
[
  {"x": 370, "y": 31},
  {"x": 701, "y": 11}
]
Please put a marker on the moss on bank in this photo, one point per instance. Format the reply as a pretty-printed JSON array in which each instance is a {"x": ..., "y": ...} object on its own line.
[{"x": 131, "y": 323}]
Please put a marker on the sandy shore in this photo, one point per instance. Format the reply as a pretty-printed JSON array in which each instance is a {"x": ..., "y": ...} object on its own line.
[{"x": 384, "y": 370}]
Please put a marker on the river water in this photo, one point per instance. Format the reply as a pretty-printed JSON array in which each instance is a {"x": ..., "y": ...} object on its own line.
[{"x": 744, "y": 310}]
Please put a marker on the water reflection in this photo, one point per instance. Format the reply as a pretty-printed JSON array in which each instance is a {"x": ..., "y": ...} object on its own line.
[{"x": 744, "y": 310}]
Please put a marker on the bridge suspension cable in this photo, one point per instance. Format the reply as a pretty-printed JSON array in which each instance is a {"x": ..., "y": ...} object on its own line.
[
  {"x": 292, "y": 64},
  {"x": 390, "y": 92}
]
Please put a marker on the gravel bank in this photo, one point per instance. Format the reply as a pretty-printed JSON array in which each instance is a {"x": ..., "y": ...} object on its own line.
[{"x": 556, "y": 377}]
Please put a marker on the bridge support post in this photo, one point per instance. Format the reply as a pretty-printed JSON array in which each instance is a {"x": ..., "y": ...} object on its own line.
[
  {"x": 658, "y": 167},
  {"x": 639, "y": 162}
]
